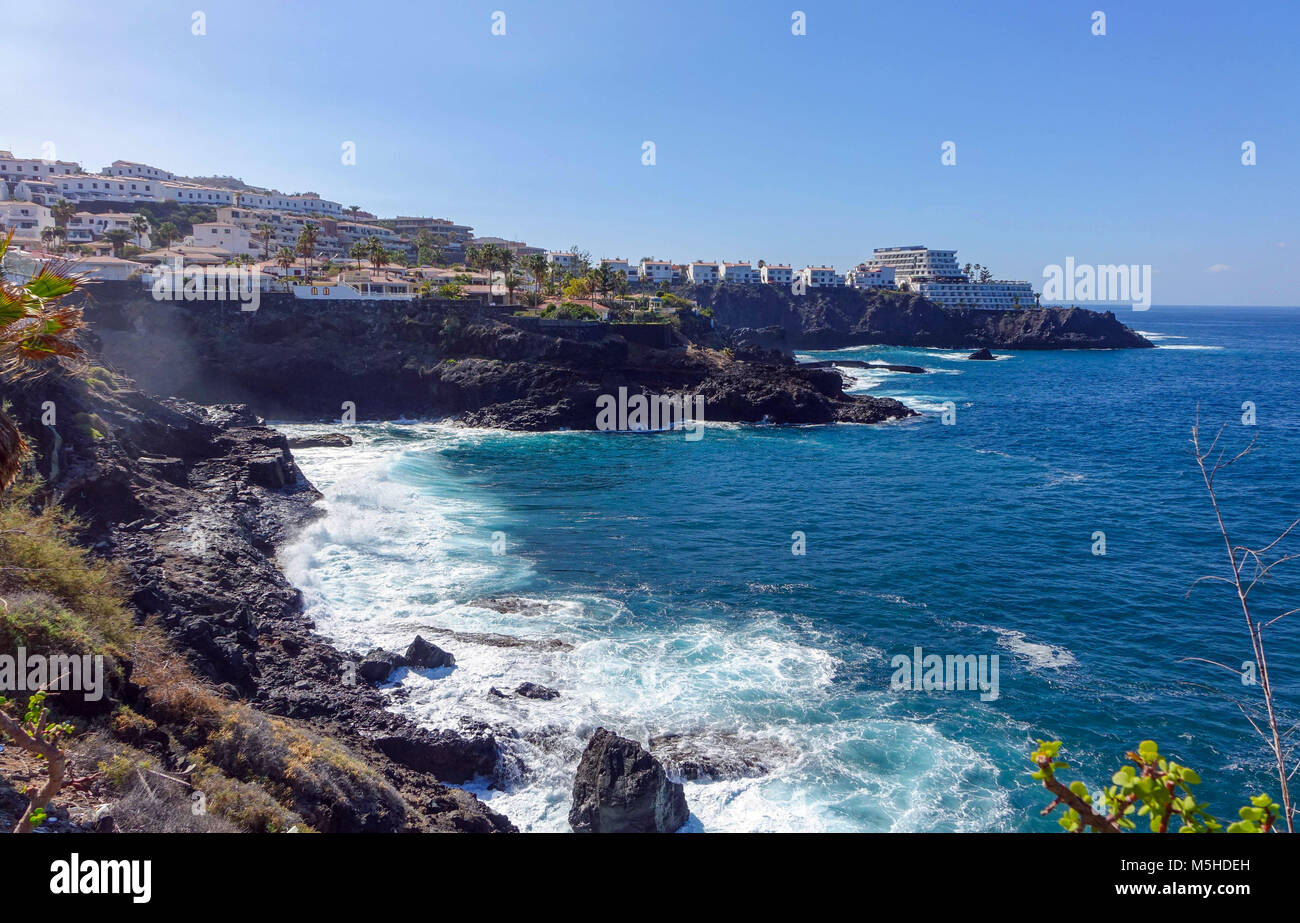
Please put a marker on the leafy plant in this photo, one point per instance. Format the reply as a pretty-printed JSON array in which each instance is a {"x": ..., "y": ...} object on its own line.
[
  {"x": 35, "y": 734},
  {"x": 1154, "y": 788}
]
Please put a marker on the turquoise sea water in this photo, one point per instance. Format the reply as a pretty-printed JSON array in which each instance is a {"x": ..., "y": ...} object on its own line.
[{"x": 667, "y": 599}]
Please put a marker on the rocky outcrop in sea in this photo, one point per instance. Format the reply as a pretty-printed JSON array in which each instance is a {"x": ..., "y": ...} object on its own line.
[{"x": 835, "y": 318}]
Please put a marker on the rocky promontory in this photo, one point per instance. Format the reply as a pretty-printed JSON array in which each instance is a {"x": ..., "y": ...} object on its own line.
[
  {"x": 189, "y": 503},
  {"x": 834, "y": 318},
  {"x": 302, "y": 360}
]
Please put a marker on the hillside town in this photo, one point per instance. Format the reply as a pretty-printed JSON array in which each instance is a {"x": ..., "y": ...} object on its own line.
[{"x": 123, "y": 222}]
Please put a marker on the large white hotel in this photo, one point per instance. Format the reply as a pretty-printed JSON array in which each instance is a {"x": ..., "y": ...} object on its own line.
[
  {"x": 931, "y": 273},
  {"x": 935, "y": 275}
]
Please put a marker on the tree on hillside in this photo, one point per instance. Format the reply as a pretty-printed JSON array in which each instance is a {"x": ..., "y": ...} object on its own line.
[
  {"x": 359, "y": 251},
  {"x": 376, "y": 252},
  {"x": 307, "y": 245},
  {"x": 139, "y": 227},
  {"x": 537, "y": 267},
  {"x": 284, "y": 259},
  {"x": 167, "y": 234},
  {"x": 266, "y": 234},
  {"x": 62, "y": 212},
  {"x": 118, "y": 238}
]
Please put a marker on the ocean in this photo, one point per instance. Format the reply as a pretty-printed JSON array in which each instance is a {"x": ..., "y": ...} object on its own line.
[{"x": 659, "y": 592}]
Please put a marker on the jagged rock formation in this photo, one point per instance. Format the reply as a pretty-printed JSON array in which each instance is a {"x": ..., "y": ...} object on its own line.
[
  {"x": 621, "y": 788},
  {"x": 191, "y": 501},
  {"x": 832, "y": 318},
  {"x": 302, "y": 361}
]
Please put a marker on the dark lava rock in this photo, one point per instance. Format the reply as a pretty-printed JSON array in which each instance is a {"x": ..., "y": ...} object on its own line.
[
  {"x": 427, "y": 656},
  {"x": 833, "y": 318},
  {"x": 191, "y": 502},
  {"x": 981, "y": 354},
  {"x": 536, "y": 691},
  {"x": 324, "y": 441},
  {"x": 711, "y": 756},
  {"x": 376, "y": 666},
  {"x": 450, "y": 755},
  {"x": 621, "y": 788}
]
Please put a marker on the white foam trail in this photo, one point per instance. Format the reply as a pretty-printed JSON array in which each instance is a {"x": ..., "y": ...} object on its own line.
[{"x": 403, "y": 550}]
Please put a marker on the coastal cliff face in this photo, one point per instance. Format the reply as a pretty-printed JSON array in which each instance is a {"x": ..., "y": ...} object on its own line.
[
  {"x": 300, "y": 360},
  {"x": 834, "y": 318},
  {"x": 190, "y": 502}
]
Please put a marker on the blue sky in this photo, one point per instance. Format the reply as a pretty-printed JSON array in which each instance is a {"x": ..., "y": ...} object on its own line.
[{"x": 1123, "y": 148}]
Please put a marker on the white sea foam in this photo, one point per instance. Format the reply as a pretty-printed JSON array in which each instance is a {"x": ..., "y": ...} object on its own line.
[
  {"x": 1039, "y": 656},
  {"x": 403, "y": 550}
]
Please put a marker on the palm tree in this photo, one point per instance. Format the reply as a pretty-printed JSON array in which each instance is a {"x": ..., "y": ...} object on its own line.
[
  {"x": 167, "y": 234},
  {"x": 537, "y": 267},
  {"x": 307, "y": 245},
  {"x": 61, "y": 211},
  {"x": 376, "y": 252},
  {"x": 505, "y": 264},
  {"x": 139, "y": 227},
  {"x": 360, "y": 251},
  {"x": 512, "y": 280},
  {"x": 265, "y": 233},
  {"x": 38, "y": 331},
  {"x": 118, "y": 238},
  {"x": 48, "y": 235},
  {"x": 353, "y": 211},
  {"x": 284, "y": 259}
]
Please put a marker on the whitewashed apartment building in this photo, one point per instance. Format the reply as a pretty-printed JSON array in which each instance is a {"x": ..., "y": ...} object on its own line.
[
  {"x": 821, "y": 277},
  {"x": 702, "y": 273},
  {"x": 863, "y": 276},
  {"x": 740, "y": 273},
  {"x": 25, "y": 219},
  {"x": 14, "y": 168},
  {"x": 655, "y": 271},
  {"x": 776, "y": 274}
]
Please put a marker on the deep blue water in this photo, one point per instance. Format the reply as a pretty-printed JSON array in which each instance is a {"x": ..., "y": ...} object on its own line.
[{"x": 666, "y": 565}]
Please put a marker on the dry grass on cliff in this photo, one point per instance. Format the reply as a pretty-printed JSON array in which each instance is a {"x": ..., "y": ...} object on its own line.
[
  {"x": 54, "y": 598},
  {"x": 253, "y": 772}
]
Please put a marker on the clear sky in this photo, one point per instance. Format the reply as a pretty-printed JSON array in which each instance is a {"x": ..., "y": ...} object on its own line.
[{"x": 1122, "y": 148}]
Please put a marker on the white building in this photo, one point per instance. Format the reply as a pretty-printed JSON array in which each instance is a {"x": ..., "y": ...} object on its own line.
[
  {"x": 194, "y": 194},
  {"x": 863, "y": 276},
  {"x": 29, "y": 190},
  {"x": 84, "y": 227},
  {"x": 137, "y": 171},
  {"x": 109, "y": 268},
  {"x": 776, "y": 274},
  {"x": 91, "y": 187},
  {"x": 617, "y": 264},
  {"x": 820, "y": 277},
  {"x": 702, "y": 273},
  {"x": 562, "y": 258},
  {"x": 916, "y": 263},
  {"x": 999, "y": 294},
  {"x": 25, "y": 219},
  {"x": 655, "y": 271},
  {"x": 742, "y": 273},
  {"x": 13, "y": 168},
  {"x": 228, "y": 238}
]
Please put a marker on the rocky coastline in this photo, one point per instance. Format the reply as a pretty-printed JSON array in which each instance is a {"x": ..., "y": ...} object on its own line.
[
  {"x": 190, "y": 495},
  {"x": 835, "y": 318}
]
